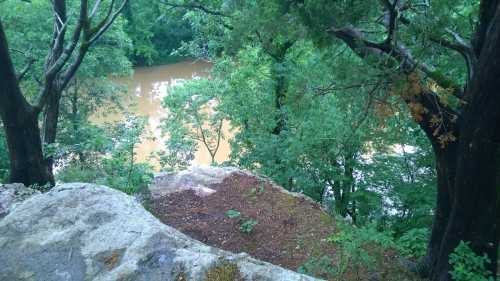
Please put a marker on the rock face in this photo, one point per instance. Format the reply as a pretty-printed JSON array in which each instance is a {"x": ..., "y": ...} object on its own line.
[
  {"x": 89, "y": 232},
  {"x": 196, "y": 178}
]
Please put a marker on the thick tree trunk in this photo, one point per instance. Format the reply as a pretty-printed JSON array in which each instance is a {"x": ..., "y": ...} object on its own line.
[
  {"x": 468, "y": 178},
  {"x": 27, "y": 164},
  {"x": 468, "y": 181},
  {"x": 446, "y": 172},
  {"x": 20, "y": 120},
  {"x": 475, "y": 212}
]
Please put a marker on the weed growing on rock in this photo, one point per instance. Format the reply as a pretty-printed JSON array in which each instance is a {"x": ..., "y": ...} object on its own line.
[{"x": 225, "y": 271}]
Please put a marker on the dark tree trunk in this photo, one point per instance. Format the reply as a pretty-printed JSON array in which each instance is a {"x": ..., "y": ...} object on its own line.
[
  {"x": 20, "y": 120},
  {"x": 281, "y": 86},
  {"x": 51, "y": 114},
  {"x": 75, "y": 120},
  {"x": 279, "y": 99},
  {"x": 446, "y": 171},
  {"x": 27, "y": 164},
  {"x": 50, "y": 122},
  {"x": 278, "y": 55},
  {"x": 468, "y": 166},
  {"x": 475, "y": 213}
]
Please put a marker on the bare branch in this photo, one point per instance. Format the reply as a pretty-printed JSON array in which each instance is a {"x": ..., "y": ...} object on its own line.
[
  {"x": 398, "y": 53},
  {"x": 95, "y": 8},
  {"x": 322, "y": 91},
  {"x": 54, "y": 68},
  {"x": 195, "y": 6},
  {"x": 390, "y": 55},
  {"x": 462, "y": 47},
  {"x": 392, "y": 12},
  {"x": 93, "y": 36},
  {"x": 98, "y": 33},
  {"x": 25, "y": 70}
]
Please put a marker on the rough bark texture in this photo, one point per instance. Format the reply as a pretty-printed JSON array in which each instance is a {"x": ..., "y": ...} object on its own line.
[
  {"x": 63, "y": 60},
  {"x": 27, "y": 164},
  {"x": 467, "y": 206},
  {"x": 51, "y": 114},
  {"x": 475, "y": 210},
  {"x": 50, "y": 122}
]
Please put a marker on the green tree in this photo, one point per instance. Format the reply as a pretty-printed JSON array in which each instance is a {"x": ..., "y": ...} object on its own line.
[
  {"x": 421, "y": 54},
  {"x": 64, "y": 57},
  {"x": 192, "y": 120},
  {"x": 458, "y": 114},
  {"x": 156, "y": 31}
]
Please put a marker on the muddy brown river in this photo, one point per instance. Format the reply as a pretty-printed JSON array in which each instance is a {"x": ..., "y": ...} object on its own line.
[{"x": 145, "y": 91}]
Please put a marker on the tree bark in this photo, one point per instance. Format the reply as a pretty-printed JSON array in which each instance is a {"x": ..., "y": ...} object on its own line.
[
  {"x": 20, "y": 120},
  {"x": 51, "y": 114},
  {"x": 446, "y": 171},
  {"x": 50, "y": 122},
  {"x": 475, "y": 212},
  {"x": 467, "y": 207}
]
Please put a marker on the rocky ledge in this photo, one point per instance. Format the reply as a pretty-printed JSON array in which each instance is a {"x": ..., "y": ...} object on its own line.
[{"x": 82, "y": 231}]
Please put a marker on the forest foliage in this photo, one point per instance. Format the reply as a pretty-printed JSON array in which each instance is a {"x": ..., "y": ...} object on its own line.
[{"x": 311, "y": 102}]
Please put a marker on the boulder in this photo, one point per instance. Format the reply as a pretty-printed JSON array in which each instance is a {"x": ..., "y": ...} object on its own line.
[
  {"x": 197, "y": 178},
  {"x": 88, "y": 232}
]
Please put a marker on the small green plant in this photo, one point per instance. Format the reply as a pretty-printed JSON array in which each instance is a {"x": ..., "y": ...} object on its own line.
[
  {"x": 413, "y": 243},
  {"x": 467, "y": 266},
  {"x": 321, "y": 267},
  {"x": 232, "y": 214},
  {"x": 356, "y": 246},
  {"x": 248, "y": 226},
  {"x": 262, "y": 188},
  {"x": 42, "y": 188}
]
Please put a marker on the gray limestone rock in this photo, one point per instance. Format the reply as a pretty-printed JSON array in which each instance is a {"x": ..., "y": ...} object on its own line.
[{"x": 88, "y": 232}]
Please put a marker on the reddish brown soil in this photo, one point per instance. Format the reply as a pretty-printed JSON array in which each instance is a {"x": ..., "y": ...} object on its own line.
[{"x": 289, "y": 230}]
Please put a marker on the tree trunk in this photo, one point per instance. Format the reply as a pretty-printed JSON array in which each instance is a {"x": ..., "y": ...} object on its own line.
[
  {"x": 20, "y": 120},
  {"x": 51, "y": 114},
  {"x": 468, "y": 181},
  {"x": 50, "y": 122},
  {"x": 27, "y": 164},
  {"x": 446, "y": 171},
  {"x": 475, "y": 214}
]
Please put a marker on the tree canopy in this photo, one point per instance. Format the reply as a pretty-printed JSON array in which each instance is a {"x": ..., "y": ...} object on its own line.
[{"x": 386, "y": 112}]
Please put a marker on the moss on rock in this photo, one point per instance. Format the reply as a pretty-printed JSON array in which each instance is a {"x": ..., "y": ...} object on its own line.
[{"x": 225, "y": 271}]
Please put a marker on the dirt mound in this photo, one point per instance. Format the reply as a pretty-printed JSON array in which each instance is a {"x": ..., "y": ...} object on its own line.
[
  {"x": 234, "y": 210},
  {"x": 252, "y": 215}
]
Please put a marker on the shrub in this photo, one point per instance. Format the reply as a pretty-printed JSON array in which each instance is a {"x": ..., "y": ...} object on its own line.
[
  {"x": 413, "y": 243},
  {"x": 356, "y": 248},
  {"x": 319, "y": 267},
  {"x": 467, "y": 266}
]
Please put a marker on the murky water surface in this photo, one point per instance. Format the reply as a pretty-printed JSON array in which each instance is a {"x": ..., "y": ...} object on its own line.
[{"x": 146, "y": 89}]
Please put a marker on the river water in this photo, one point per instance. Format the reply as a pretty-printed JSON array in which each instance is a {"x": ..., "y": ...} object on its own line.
[{"x": 145, "y": 91}]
